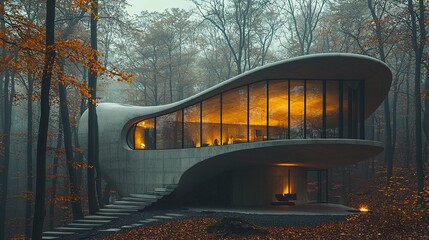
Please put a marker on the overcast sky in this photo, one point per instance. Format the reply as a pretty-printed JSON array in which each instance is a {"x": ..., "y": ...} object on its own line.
[{"x": 156, "y": 5}]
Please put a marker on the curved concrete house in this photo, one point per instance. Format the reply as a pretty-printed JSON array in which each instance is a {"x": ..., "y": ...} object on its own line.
[{"x": 249, "y": 137}]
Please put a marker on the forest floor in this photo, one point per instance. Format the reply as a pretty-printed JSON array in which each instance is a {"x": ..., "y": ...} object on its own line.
[{"x": 394, "y": 214}]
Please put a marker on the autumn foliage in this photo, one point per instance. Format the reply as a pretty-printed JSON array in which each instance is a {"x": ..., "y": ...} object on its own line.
[{"x": 24, "y": 41}]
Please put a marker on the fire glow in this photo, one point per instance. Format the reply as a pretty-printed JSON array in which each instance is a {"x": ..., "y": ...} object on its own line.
[{"x": 363, "y": 208}]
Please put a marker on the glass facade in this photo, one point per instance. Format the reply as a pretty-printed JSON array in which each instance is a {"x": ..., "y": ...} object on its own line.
[
  {"x": 144, "y": 134},
  {"x": 314, "y": 108},
  {"x": 258, "y": 112},
  {"x": 234, "y": 116},
  {"x": 266, "y": 110},
  {"x": 211, "y": 122},
  {"x": 297, "y": 109},
  {"x": 278, "y": 105},
  {"x": 169, "y": 131},
  {"x": 191, "y": 125}
]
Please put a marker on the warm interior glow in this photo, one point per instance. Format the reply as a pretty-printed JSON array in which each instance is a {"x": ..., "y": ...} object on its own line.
[
  {"x": 287, "y": 164},
  {"x": 286, "y": 190},
  {"x": 363, "y": 208},
  {"x": 287, "y": 186},
  {"x": 234, "y": 115},
  {"x": 139, "y": 134}
]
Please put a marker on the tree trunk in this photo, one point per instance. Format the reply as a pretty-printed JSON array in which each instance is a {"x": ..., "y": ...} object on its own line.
[
  {"x": 394, "y": 118},
  {"x": 54, "y": 179},
  {"x": 407, "y": 127},
  {"x": 388, "y": 157},
  {"x": 7, "y": 121},
  {"x": 68, "y": 146},
  {"x": 388, "y": 139},
  {"x": 39, "y": 213},
  {"x": 29, "y": 200},
  {"x": 426, "y": 106},
  {"x": 92, "y": 119},
  {"x": 418, "y": 38},
  {"x": 170, "y": 75}
]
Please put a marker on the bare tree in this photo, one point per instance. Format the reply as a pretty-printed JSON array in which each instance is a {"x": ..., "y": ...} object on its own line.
[
  {"x": 378, "y": 12},
  {"x": 418, "y": 39},
  {"x": 237, "y": 21},
  {"x": 305, "y": 16}
]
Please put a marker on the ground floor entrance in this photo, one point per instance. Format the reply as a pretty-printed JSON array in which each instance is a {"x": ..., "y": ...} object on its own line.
[{"x": 258, "y": 186}]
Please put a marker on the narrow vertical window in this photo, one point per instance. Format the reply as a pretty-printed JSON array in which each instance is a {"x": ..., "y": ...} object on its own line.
[
  {"x": 297, "y": 123},
  {"x": 144, "y": 134},
  {"x": 211, "y": 122},
  {"x": 258, "y": 112},
  {"x": 332, "y": 109},
  {"x": 234, "y": 116},
  {"x": 278, "y": 109},
  {"x": 191, "y": 126},
  {"x": 169, "y": 131},
  {"x": 314, "y": 108}
]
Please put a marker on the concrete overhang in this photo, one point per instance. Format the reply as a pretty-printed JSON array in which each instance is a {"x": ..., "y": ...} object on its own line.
[
  {"x": 308, "y": 153},
  {"x": 304, "y": 153}
]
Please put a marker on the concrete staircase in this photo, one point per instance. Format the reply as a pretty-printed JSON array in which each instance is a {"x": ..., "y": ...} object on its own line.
[{"x": 123, "y": 207}]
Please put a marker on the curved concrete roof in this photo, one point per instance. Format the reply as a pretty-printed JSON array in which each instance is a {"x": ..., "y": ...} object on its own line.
[{"x": 338, "y": 66}]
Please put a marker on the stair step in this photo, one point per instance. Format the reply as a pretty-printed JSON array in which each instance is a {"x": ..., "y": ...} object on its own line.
[
  {"x": 127, "y": 226},
  {"x": 57, "y": 233},
  {"x": 174, "y": 214},
  {"x": 84, "y": 224},
  {"x": 114, "y": 206},
  {"x": 72, "y": 229},
  {"x": 136, "y": 199},
  {"x": 150, "y": 196},
  {"x": 163, "y": 217},
  {"x": 117, "y": 210},
  {"x": 130, "y": 203},
  {"x": 110, "y": 230},
  {"x": 171, "y": 186},
  {"x": 113, "y": 213},
  {"x": 169, "y": 190},
  {"x": 91, "y": 221},
  {"x": 49, "y": 237},
  {"x": 99, "y": 217},
  {"x": 159, "y": 194},
  {"x": 149, "y": 220}
]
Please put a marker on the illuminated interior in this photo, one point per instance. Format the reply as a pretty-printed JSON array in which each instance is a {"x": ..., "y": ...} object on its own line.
[{"x": 266, "y": 110}]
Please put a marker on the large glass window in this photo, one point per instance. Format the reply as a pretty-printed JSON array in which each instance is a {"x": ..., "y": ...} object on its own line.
[
  {"x": 278, "y": 109},
  {"x": 144, "y": 134},
  {"x": 297, "y": 95},
  {"x": 332, "y": 109},
  {"x": 234, "y": 116},
  {"x": 295, "y": 110},
  {"x": 314, "y": 108},
  {"x": 211, "y": 122},
  {"x": 258, "y": 112},
  {"x": 349, "y": 106},
  {"x": 192, "y": 126},
  {"x": 169, "y": 131}
]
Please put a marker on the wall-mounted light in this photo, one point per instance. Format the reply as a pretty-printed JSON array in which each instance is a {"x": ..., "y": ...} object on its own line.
[{"x": 287, "y": 165}]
